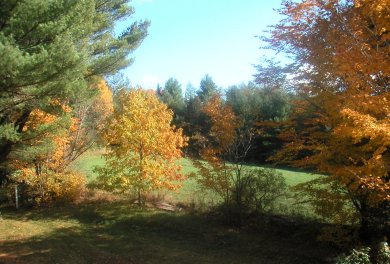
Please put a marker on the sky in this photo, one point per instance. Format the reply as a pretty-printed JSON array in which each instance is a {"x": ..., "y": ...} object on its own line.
[{"x": 191, "y": 38}]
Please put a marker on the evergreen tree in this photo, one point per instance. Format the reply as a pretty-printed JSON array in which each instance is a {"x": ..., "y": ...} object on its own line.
[
  {"x": 207, "y": 88},
  {"x": 172, "y": 95},
  {"x": 50, "y": 50},
  {"x": 190, "y": 93}
]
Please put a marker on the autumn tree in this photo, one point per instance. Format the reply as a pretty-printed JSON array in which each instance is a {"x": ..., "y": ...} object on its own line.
[
  {"x": 51, "y": 49},
  {"x": 224, "y": 153},
  {"x": 342, "y": 126},
  {"x": 39, "y": 164},
  {"x": 142, "y": 145}
]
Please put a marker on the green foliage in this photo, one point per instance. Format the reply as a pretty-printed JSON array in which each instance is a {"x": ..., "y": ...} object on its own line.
[
  {"x": 261, "y": 189},
  {"x": 51, "y": 49},
  {"x": 328, "y": 199},
  {"x": 207, "y": 88},
  {"x": 260, "y": 108},
  {"x": 359, "y": 256},
  {"x": 7, "y": 132},
  {"x": 190, "y": 92},
  {"x": 252, "y": 103},
  {"x": 362, "y": 256},
  {"x": 172, "y": 96}
]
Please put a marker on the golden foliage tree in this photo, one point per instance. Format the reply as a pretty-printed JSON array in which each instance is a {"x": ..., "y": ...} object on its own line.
[
  {"x": 142, "y": 145},
  {"x": 342, "y": 126}
]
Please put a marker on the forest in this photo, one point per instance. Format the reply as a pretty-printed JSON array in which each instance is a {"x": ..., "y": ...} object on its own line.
[{"x": 292, "y": 166}]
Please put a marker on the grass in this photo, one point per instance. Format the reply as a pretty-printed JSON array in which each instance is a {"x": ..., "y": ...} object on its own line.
[
  {"x": 190, "y": 193},
  {"x": 86, "y": 163},
  {"x": 120, "y": 232}
]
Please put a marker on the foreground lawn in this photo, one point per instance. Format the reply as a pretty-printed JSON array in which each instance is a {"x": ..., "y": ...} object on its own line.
[{"x": 119, "y": 232}]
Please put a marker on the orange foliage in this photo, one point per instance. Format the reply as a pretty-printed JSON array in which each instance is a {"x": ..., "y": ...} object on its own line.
[
  {"x": 224, "y": 123},
  {"x": 41, "y": 166},
  {"x": 215, "y": 173},
  {"x": 342, "y": 125}
]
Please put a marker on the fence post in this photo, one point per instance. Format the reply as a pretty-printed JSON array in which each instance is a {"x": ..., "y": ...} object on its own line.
[{"x": 16, "y": 197}]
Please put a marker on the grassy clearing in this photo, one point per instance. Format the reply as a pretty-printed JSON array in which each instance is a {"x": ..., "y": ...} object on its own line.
[
  {"x": 87, "y": 162},
  {"x": 190, "y": 193},
  {"x": 119, "y": 232}
]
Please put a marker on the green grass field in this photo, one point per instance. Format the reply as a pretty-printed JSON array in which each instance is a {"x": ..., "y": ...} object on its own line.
[
  {"x": 190, "y": 193},
  {"x": 89, "y": 160},
  {"x": 121, "y": 232}
]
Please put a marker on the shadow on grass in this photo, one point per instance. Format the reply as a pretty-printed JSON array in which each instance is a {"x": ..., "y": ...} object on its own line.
[{"x": 122, "y": 233}]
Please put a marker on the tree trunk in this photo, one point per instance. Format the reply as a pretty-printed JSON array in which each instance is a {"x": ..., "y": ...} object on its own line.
[
  {"x": 139, "y": 197},
  {"x": 373, "y": 228},
  {"x": 6, "y": 146}
]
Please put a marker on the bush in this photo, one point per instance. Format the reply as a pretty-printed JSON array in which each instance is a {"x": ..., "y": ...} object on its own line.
[
  {"x": 362, "y": 256},
  {"x": 254, "y": 193},
  {"x": 261, "y": 189},
  {"x": 50, "y": 187},
  {"x": 357, "y": 256}
]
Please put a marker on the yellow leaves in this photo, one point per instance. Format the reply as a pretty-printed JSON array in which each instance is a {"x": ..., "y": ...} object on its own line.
[
  {"x": 103, "y": 103},
  {"x": 143, "y": 146},
  {"x": 52, "y": 186}
]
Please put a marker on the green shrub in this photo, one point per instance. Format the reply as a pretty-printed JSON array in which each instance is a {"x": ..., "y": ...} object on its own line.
[
  {"x": 362, "y": 256},
  {"x": 357, "y": 256},
  {"x": 261, "y": 189}
]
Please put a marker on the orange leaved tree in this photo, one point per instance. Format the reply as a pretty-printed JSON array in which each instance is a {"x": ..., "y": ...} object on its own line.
[
  {"x": 342, "y": 126},
  {"x": 216, "y": 174},
  {"x": 38, "y": 162},
  {"x": 142, "y": 145},
  {"x": 221, "y": 170}
]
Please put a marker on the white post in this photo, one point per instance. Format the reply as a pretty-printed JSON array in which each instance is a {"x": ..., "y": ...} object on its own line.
[{"x": 16, "y": 197}]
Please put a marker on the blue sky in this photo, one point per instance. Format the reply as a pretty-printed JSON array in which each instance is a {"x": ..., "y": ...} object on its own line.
[{"x": 190, "y": 38}]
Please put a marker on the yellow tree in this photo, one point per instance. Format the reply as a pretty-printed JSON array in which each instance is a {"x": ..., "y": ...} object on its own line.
[
  {"x": 342, "y": 126},
  {"x": 142, "y": 145}
]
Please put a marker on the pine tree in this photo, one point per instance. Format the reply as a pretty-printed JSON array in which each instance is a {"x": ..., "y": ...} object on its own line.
[
  {"x": 207, "y": 88},
  {"x": 51, "y": 50}
]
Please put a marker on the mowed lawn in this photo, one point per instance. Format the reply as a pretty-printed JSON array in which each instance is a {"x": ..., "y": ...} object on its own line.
[
  {"x": 190, "y": 193},
  {"x": 122, "y": 232}
]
